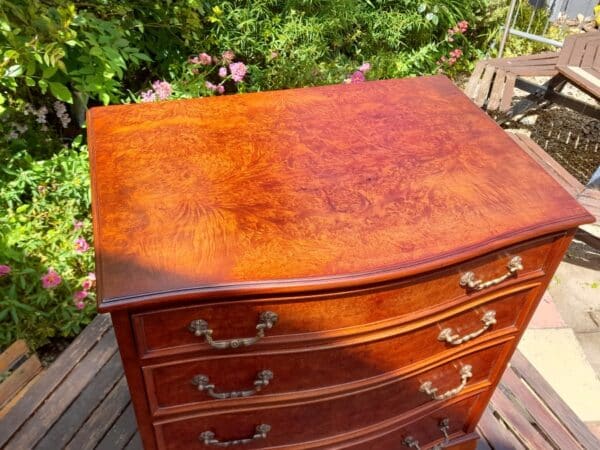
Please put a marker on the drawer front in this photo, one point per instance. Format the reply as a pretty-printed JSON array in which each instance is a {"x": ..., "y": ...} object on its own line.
[
  {"x": 268, "y": 376},
  {"x": 294, "y": 423},
  {"x": 178, "y": 330},
  {"x": 450, "y": 422}
]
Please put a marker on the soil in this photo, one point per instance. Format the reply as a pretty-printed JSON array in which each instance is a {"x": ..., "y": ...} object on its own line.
[
  {"x": 571, "y": 138},
  {"x": 49, "y": 352}
]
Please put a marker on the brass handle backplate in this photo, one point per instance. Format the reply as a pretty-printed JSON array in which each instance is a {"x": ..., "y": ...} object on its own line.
[
  {"x": 208, "y": 437},
  {"x": 411, "y": 442},
  {"x": 203, "y": 383},
  {"x": 465, "y": 374},
  {"x": 266, "y": 321},
  {"x": 444, "y": 426},
  {"x": 469, "y": 281},
  {"x": 447, "y": 334}
]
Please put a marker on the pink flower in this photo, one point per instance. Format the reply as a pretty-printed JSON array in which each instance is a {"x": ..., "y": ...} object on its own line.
[
  {"x": 87, "y": 283},
  {"x": 4, "y": 270},
  {"x": 274, "y": 55},
  {"x": 80, "y": 304},
  {"x": 81, "y": 245},
  {"x": 238, "y": 71},
  {"x": 456, "y": 53},
  {"x": 357, "y": 77},
  {"x": 220, "y": 89},
  {"x": 80, "y": 295},
  {"x": 148, "y": 96},
  {"x": 365, "y": 67},
  {"x": 228, "y": 57},
  {"x": 162, "y": 89},
  {"x": 77, "y": 224},
  {"x": 211, "y": 86},
  {"x": 205, "y": 59},
  {"x": 463, "y": 25},
  {"x": 223, "y": 72},
  {"x": 51, "y": 279}
]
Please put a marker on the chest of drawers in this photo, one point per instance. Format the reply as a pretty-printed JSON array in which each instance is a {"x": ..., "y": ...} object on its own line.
[{"x": 348, "y": 266}]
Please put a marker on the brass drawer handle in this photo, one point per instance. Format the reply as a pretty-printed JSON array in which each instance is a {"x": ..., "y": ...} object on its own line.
[
  {"x": 411, "y": 442},
  {"x": 208, "y": 437},
  {"x": 444, "y": 426},
  {"x": 262, "y": 380},
  {"x": 447, "y": 334},
  {"x": 266, "y": 321},
  {"x": 469, "y": 281},
  {"x": 465, "y": 374}
]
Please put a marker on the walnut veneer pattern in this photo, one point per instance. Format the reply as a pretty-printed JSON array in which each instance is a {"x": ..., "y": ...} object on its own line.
[{"x": 347, "y": 266}]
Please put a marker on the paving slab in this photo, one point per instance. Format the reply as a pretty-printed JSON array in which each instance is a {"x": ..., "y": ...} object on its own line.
[
  {"x": 547, "y": 315},
  {"x": 590, "y": 342},
  {"x": 576, "y": 293},
  {"x": 558, "y": 356}
]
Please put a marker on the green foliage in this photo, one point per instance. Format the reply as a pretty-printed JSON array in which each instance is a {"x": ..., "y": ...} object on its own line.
[
  {"x": 530, "y": 18},
  {"x": 62, "y": 56},
  {"x": 64, "y": 51},
  {"x": 39, "y": 203}
]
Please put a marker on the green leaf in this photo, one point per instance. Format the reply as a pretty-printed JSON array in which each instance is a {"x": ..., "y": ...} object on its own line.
[
  {"x": 30, "y": 69},
  {"x": 143, "y": 57},
  {"x": 105, "y": 98},
  {"x": 48, "y": 72},
  {"x": 14, "y": 71},
  {"x": 43, "y": 84},
  {"x": 29, "y": 81},
  {"x": 61, "y": 92}
]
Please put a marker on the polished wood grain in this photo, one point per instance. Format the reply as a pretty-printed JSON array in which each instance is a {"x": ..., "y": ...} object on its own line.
[
  {"x": 165, "y": 331},
  {"x": 314, "y": 370},
  {"x": 307, "y": 189},
  {"x": 350, "y": 211},
  {"x": 385, "y": 435},
  {"x": 331, "y": 415}
]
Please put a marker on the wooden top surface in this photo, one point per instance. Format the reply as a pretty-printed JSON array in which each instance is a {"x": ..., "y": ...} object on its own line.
[{"x": 306, "y": 189}]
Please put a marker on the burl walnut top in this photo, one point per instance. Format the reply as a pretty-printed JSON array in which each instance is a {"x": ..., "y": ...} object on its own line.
[{"x": 306, "y": 189}]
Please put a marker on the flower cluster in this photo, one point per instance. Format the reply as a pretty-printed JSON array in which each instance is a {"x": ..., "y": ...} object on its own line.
[
  {"x": 203, "y": 59},
  {"x": 359, "y": 75},
  {"x": 227, "y": 69},
  {"x": 81, "y": 245},
  {"x": 40, "y": 113},
  {"x": 161, "y": 90},
  {"x": 17, "y": 130},
  {"x": 51, "y": 279},
  {"x": 86, "y": 285},
  {"x": 450, "y": 59},
  {"x": 61, "y": 112},
  {"x": 460, "y": 28},
  {"x": 4, "y": 270}
]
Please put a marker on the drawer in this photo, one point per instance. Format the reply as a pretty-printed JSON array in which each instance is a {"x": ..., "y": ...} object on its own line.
[
  {"x": 167, "y": 332},
  {"x": 295, "y": 422},
  {"x": 450, "y": 422},
  {"x": 174, "y": 387}
]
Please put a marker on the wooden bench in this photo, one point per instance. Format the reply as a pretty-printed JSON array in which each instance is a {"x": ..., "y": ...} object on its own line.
[
  {"x": 492, "y": 83},
  {"x": 579, "y": 62}
]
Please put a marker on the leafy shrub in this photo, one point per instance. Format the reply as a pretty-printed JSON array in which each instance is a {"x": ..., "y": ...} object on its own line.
[
  {"x": 45, "y": 224},
  {"x": 62, "y": 56}
]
